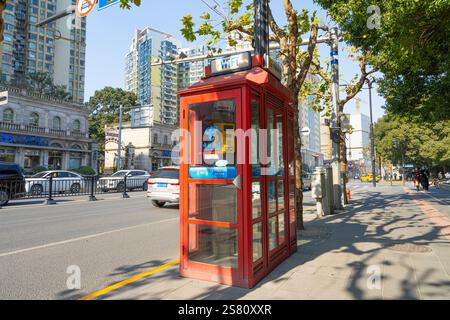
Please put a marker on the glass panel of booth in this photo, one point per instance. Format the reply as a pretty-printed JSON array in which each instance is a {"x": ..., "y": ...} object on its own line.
[
  {"x": 212, "y": 126},
  {"x": 273, "y": 241},
  {"x": 213, "y": 245},
  {"x": 291, "y": 184},
  {"x": 257, "y": 241},
  {"x": 213, "y": 202},
  {"x": 254, "y": 138}
]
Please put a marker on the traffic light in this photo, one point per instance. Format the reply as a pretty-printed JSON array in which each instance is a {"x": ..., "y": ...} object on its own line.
[{"x": 2, "y": 8}]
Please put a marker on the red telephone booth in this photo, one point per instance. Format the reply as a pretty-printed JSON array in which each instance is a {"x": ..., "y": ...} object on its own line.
[{"x": 237, "y": 201}]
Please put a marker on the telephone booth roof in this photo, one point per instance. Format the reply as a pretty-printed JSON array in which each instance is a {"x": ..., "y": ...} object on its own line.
[{"x": 254, "y": 76}]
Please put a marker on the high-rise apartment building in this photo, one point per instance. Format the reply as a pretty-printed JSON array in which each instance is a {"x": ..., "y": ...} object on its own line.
[
  {"x": 191, "y": 72},
  {"x": 57, "y": 49},
  {"x": 155, "y": 86}
]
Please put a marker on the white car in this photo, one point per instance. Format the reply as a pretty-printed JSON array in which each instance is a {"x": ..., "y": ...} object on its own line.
[
  {"x": 164, "y": 186},
  {"x": 136, "y": 179},
  {"x": 63, "y": 181}
]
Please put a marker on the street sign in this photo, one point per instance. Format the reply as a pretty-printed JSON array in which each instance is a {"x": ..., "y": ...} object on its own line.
[
  {"x": 84, "y": 7},
  {"x": 306, "y": 131},
  {"x": 103, "y": 4},
  {"x": 3, "y": 97}
]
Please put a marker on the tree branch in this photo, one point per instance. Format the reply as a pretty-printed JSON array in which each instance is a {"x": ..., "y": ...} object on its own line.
[
  {"x": 304, "y": 68},
  {"x": 277, "y": 31},
  {"x": 361, "y": 81}
]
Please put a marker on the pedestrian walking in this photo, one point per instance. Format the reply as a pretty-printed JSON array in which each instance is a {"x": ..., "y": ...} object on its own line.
[
  {"x": 417, "y": 179},
  {"x": 424, "y": 181}
]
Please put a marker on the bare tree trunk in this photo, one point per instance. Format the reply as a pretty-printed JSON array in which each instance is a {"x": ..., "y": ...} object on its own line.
[
  {"x": 343, "y": 155},
  {"x": 298, "y": 166}
]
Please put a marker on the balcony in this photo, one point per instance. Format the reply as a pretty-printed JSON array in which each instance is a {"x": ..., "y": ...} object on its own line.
[
  {"x": 30, "y": 129},
  {"x": 57, "y": 132}
]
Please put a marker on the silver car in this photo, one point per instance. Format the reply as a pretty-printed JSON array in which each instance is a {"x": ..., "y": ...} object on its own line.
[
  {"x": 164, "y": 186},
  {"x": 135, "y": 179},
  {"x": 62, "y": 181}
]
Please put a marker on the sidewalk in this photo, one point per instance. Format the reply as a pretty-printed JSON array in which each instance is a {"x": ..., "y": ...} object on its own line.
[{"x": 391, "y": 230}]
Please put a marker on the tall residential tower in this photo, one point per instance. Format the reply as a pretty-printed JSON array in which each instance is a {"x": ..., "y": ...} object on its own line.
[
  {"x": 155, "y": 86},
  {"x": 57, "y": 49}
]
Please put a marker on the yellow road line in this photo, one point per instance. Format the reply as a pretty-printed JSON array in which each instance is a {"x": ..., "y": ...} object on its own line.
[{"x": 137, "y": 277}]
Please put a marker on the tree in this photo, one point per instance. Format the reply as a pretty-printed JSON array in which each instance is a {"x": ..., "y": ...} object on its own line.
[
  {"x": 422, "y": 144},
  {"x": 295, "y": 62},
  {"x": 236, "y": 20},
  {"x": 104, "y": 109},
  {"x": 408, "y": 42},
  {"x": 351, "y": 90}
]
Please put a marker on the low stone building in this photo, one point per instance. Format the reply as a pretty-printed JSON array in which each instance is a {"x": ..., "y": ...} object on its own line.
[
  {"x": 145, "y": 147},
  {"x": 40, "y": 131}
]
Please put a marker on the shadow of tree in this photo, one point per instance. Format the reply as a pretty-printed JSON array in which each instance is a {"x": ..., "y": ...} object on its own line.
[{"x": 377, "y": 218}]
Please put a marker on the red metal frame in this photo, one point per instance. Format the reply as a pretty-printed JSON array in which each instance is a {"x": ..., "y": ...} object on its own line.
[{"x": 242, "y": 86}]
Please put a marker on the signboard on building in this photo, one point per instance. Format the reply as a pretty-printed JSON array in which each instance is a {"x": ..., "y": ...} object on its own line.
[{"x": 23, "y": 139}]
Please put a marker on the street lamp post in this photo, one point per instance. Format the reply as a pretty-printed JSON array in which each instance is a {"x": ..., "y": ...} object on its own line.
[
  {"x": 119, "y": 140},
  {"x": 372, "y": 140}
]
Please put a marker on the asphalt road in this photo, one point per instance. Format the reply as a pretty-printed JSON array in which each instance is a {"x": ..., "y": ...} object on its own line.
[{"x": 109, "y": 240}]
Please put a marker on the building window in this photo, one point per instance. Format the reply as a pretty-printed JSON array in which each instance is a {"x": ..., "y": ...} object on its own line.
[
  {"x": 31, "y": 159},
  {"x": 34, "y": 119},
  {"x": 165, "y": 140},
  {"x": 55, "y": 157},
  {"x": 57, "y": 123},
  {"x": 155, "y": 138},
  {"x": 77, "y": 126},
  {"x": 8, "y": 115},
  {"x": 7, "y": 154},
  {"x": 75, "y": 157}
]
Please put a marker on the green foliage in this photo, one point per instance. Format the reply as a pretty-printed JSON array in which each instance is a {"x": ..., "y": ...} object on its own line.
[
  {"x": 424, "y": 143},
  {"x": 238, "y": 18},
  {"x": 410, "y": 47},
  {"x": 104, "y": 109},
  {"x": 126, "y": 4},
  {"x": 85, "y": 171}
]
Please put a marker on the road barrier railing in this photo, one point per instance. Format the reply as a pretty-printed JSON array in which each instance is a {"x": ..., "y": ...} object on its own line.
[{"x": 54, "y": 187}]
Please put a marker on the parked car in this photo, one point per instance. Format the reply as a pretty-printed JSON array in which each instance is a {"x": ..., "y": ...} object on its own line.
[
  {"x": 306, "y": 179},
  {"x": 136, "y": 179},
  {"x": 62, "y": 181},
  {"x": 12, "y": 182},
  {"x": 164, "y": 186}
]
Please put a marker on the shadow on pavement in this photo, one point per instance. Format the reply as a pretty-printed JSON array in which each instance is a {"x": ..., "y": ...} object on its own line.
[{"x": 373, "y": 221}]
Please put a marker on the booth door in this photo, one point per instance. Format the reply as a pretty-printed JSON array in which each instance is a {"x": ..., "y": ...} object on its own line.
[
  {"x": 269, "y": 183},
  {"x": 275, "y": 184},
  {"x": 213, "y": 228}
]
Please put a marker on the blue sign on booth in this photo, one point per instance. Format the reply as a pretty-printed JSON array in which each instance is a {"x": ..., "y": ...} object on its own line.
[
  {"x": 103, "y": 4},
  {"x": 212, "y": 172}
]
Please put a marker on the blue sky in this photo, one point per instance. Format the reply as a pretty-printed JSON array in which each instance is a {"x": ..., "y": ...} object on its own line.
[{"x": 109, "y": 34}]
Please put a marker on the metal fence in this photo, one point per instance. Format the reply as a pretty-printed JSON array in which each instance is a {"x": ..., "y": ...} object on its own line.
[{"x": 50, "y": 188}]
